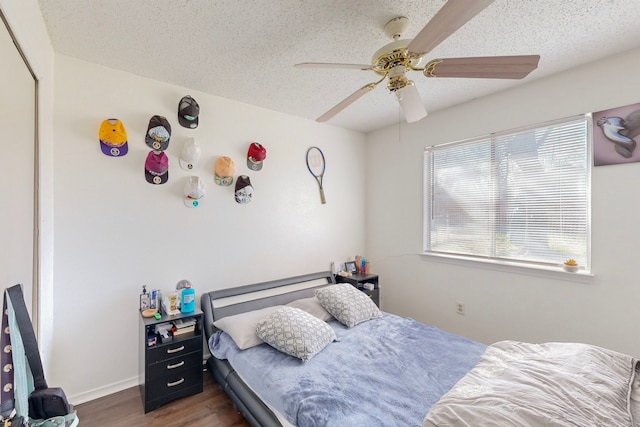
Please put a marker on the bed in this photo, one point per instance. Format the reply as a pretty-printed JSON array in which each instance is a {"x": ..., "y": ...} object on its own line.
[{"x": 388, "y": 370}]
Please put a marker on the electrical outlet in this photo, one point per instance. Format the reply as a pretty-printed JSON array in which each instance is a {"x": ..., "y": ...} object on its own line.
[{"x": 460, "y": 308}]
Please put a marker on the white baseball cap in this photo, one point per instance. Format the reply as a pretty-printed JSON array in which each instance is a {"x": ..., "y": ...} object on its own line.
[
  {"x": 193, "y": 191},
  {"x": 190, "y": 155}
]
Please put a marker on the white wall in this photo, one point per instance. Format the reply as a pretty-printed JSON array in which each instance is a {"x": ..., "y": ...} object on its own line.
[
  {"x": 116, "y": 232},
  {"x": 513, "y": 304}
]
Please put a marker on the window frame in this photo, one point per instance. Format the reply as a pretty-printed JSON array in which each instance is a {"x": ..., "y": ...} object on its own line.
[{"x": 498, "y": 262}]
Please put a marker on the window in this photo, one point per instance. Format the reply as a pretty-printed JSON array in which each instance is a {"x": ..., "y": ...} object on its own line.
[{"x": 518, "y": 196}]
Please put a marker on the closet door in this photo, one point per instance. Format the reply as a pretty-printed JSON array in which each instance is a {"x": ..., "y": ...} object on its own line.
[{"x": 17, "y": 170}]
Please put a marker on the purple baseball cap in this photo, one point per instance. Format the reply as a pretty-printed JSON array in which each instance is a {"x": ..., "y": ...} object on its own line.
[{"x": 156, "y": 168}]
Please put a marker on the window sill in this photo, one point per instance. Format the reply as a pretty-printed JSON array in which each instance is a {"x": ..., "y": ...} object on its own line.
[{"x": 557, "y": 273}]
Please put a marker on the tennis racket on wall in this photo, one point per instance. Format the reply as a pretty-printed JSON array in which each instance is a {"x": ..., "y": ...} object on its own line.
[{"x": 316, "y": 166}]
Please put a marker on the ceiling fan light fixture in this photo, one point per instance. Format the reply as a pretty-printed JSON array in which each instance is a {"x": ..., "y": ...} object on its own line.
[
  {"x": 411, "y": 103},
  {"x": 397, "y": 83}
]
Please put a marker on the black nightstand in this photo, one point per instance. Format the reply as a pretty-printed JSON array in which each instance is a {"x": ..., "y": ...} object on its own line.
[
  {"x": 358, "y": 280},
  {"x": 169, "y": 370}
]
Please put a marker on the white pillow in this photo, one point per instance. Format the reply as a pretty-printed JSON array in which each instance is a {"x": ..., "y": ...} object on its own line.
[
  {"x": 312, "y": 306},
  {"x": 295, "y": 332},
  {"x": 347, "y": 304},
  {"x": 242, "y": 327}
]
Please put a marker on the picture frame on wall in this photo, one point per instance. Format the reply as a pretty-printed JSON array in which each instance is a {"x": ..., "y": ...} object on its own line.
[
  {"x": 616, "y": 133},
  {"x": 350, "y": 266}
]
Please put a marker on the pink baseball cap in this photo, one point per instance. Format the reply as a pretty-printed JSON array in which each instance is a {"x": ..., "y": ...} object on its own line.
[{"x": 156, "y": 167}]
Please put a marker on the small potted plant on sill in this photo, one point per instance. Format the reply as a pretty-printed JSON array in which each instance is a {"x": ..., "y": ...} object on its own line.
[{"x": 570, "y": 265}]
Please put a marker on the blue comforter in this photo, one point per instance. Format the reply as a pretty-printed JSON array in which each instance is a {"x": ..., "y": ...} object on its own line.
[{"x": 384, "y": 372}]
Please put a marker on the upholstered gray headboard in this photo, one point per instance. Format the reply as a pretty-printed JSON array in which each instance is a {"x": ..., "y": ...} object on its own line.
[{"x": 227, "y": 302}]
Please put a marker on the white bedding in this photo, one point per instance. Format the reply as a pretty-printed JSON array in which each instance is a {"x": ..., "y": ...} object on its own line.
[{"x": 551, "y": 384}]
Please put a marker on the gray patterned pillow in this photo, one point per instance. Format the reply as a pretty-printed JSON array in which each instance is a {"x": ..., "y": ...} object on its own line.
[
  {"x": 347, "y": 304},
  {"x": 295, "y": 332}
]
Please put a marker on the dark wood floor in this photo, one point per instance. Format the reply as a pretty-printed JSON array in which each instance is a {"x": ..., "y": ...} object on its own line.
[{"x": 211, "y": 408}]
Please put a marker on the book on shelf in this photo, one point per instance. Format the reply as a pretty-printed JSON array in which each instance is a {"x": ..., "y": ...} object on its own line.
[
  {"x": 189, "y": 330},
  {"x": 184, "y": 323}
]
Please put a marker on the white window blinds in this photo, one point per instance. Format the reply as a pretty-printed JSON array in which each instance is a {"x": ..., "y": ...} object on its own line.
[{"x": 517, "y": 196}]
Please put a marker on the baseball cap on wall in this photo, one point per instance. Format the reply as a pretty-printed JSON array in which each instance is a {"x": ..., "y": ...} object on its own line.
[
  {"x": 190, "y": 155},
  {"x": 156, "y": 168},
  {"x": 113, "y": 138},
  {"x": 244, "y": 190},
  {"x": 256, "y": 154},
  {"x": 188, "y": 111},
  {"x": 224, "y": 170},
  {"x": 158, "y": 133},
  {"x": 193, "y": 192}
]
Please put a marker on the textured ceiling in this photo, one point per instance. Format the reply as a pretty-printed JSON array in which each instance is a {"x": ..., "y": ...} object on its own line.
[{"x": 245, "y": 49}]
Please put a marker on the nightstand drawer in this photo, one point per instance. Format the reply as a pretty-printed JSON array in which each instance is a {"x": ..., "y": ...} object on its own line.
[
  {"x": 174, "y": 382},
  {"x": 173, "y": 349},
  {"x": 173, "y": 365}
]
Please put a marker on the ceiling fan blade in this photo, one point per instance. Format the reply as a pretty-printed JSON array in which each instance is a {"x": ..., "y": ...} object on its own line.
[
  {"x": 453, "y": 15},
  {"x": 487, "y": 67},
  {"x": 332, "y": 65},
  {"x": 346, "y": 102},
  {"x": 411, "y": 103}
]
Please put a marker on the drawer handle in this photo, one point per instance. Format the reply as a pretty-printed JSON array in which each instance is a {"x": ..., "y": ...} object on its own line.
[
  {"x": 176, "y": 365},
  {"x": 175, "y": 350},
  {"x": 175, "y": 383}
]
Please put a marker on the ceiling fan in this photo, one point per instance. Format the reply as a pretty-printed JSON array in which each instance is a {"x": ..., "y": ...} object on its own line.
[{"x": 394, "y": 60}]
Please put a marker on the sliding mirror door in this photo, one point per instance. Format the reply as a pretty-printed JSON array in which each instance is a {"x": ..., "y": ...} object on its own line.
[{"x": 18, "y": 201}]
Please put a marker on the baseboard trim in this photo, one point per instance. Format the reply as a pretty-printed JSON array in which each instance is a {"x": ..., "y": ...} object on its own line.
[
  {"x": 106, "y": 390},
  {"x": 99, "y": 392}
]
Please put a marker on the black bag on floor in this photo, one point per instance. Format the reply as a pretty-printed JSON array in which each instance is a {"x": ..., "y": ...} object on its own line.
[
  {"x": 48, "y": 402},
  {"x": 44, "y": 401}
]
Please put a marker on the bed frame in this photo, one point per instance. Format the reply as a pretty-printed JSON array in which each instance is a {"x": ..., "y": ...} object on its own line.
[{"x": 278, "y": 292}]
